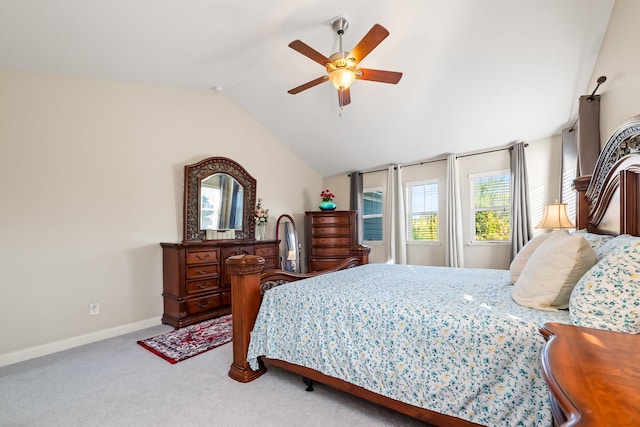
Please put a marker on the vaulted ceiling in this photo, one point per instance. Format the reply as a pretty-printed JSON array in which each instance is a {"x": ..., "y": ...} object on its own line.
[{"x": 477, "y": 73}]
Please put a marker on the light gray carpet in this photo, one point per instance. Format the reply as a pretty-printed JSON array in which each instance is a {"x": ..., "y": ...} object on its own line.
[{"x": 116, "y": 382}]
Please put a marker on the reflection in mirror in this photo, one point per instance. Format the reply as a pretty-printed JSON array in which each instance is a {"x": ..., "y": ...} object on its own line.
[
  {"x": 221, "y": 199},
  {"x": 289, "y": 245}
]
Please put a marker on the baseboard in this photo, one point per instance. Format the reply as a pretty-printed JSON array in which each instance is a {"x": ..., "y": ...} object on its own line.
[{"x": 56, "y": 346}]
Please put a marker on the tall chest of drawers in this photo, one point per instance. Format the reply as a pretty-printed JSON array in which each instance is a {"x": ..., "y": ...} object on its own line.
[
  {"x": 196, "y": 285},
  {"x": 329, "y": 238}
]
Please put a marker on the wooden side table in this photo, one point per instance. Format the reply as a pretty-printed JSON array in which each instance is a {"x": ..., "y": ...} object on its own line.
[{"x": 593, "y": 375}]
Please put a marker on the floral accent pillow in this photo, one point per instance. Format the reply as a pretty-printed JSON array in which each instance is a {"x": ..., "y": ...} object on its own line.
[{"x": 608, "y": 296}]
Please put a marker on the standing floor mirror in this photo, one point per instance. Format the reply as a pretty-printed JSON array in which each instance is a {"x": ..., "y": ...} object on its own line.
[{"x": 289, "y": 246}]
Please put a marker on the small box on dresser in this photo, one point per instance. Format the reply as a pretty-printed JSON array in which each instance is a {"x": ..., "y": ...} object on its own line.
[{"x": 329, "y": 238}]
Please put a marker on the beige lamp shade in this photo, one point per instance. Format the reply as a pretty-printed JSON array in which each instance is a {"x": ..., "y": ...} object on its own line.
[{"x": 555, "y": 217}]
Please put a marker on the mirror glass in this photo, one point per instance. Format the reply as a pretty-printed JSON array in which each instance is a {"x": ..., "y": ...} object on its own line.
[
  {"x": 219, "y": 194},
  {"x": 289, "y": 245},
  {"x": 221, "y": 199}
]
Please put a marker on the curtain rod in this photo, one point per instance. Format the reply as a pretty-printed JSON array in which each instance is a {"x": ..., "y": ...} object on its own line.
[
  {"x": 424, "y": 162},
  {"x": 600, "y": 80}
]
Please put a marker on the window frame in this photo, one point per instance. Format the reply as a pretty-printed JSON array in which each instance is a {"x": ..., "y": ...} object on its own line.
[
  {"x": 409, "y": 214},
  {"x": 472, "y": 206}
]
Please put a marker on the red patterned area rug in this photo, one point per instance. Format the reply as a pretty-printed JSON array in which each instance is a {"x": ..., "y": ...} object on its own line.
[{"x": 181, "y": 344}]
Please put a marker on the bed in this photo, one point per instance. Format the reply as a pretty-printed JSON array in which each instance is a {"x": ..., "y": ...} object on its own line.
[{"x": 446, "y": 346}]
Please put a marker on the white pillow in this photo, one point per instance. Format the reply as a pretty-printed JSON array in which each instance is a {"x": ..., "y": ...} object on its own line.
[
  {"x": 553, "y": 270},
  {"x": 525, "y": 253},
  {"x": 608, "y": 296}
]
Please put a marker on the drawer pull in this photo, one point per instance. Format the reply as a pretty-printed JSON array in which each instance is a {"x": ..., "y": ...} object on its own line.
[
  {"x": 202, "y": 257},
  {"x": 203, "y": 285},
  {"x": 202, "y": 271},
  {"x": 205, "y": 305}
]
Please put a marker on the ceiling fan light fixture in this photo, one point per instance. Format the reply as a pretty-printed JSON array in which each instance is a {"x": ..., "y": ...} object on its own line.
[
  {"x": 341, "y": 78},
  {"x": 342, "y": 70}
]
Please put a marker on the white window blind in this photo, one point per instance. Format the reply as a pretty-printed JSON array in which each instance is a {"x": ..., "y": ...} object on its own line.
[
  {"x": 492, "y": 206},
  {"x": 423, "y": 211}
]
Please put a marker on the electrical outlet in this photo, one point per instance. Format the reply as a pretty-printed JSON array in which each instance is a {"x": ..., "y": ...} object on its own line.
[{"x": 94, "y": 308}]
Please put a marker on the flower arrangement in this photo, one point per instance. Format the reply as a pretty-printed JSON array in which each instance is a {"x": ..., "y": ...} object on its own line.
[
  {"x": 327, "y": 195},
  {"x": 261, "y": 215}
]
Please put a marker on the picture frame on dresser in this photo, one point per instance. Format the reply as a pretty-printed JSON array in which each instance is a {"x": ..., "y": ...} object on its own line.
[{"x": 196, "y": 283}]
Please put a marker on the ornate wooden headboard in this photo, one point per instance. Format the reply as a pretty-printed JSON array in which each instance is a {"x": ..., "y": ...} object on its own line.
[{"x": 608, "y": 199}]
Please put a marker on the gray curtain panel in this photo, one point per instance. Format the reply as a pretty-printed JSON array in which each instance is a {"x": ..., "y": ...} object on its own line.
[
  {"x": 588, "y": 133},
  {"x": 569, "y": 161},
  {"x": 521, "y": 229},
  {"x": 356, "y": 203}
]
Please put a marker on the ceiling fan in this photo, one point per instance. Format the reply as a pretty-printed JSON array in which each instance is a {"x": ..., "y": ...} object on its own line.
[{"x": 342, "y": 66}]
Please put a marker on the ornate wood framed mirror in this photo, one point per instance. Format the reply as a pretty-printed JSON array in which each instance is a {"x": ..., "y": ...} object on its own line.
[{"x": 219, "y": 194}]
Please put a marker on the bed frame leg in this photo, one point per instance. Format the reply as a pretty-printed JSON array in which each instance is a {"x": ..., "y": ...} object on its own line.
[
  {"x": 245, "y": 302},
  {"x": 308, "y": 382}
]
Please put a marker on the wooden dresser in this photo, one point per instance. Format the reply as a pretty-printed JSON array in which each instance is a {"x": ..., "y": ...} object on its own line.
[
  {"x": 329, "y": 238},
  {"x": 592, "y": 375},
  {"x": 196, "y": 285}
]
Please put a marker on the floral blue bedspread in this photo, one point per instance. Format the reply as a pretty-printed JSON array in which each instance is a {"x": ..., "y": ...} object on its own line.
[{"x": 448, "y": 340}]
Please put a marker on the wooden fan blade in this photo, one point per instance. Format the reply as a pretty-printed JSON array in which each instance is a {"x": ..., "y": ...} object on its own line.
[
  {"x": 309, "y": 52},
  {"x": 392, "y": 77},
  {"x": 373, "y": 38},
  {"x": 308, "y": 85},
  {"x": 344, "y": 97}
]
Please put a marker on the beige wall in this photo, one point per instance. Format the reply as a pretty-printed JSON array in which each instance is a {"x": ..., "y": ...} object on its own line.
[
  {"x": 91, "y": 182},
  {"x": 619, "y": 61}
]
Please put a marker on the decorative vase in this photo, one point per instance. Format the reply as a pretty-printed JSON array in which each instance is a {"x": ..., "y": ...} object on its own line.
[
  {"x": 327, "y": 205},
  {"x": 261, "y": 231}
]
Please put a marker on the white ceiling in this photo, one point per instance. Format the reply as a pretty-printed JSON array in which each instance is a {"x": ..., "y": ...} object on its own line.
[{"x": 477, "y": 73}]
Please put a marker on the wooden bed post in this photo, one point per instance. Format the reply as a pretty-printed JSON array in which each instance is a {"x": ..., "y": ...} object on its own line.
[
  {"x": 245, "y": 302},
  {"x": 361, "y": 252},
  {"x": 582, "y": 205}
]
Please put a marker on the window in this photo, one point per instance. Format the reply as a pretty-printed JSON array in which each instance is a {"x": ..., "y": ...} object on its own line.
[
  {"x": 423, "y": 211},
  {"x": 372, "y": 214},
  {"x": 491, "y": 206}
]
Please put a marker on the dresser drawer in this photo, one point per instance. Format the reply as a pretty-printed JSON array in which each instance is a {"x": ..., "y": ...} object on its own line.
[
  {"x": 331, "y": 252},
  {"x": 264, "y": 251},
  {"x": 330, "y": 220},
  {"x": 202, "y": 304},
  {"x": 202, "y": 271},
  {"x": 202, "y": 257},
  {"x": 331, "y": 241},
  {"x": 339, "y": 230},
  {"x": 205, "y": 285}
]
